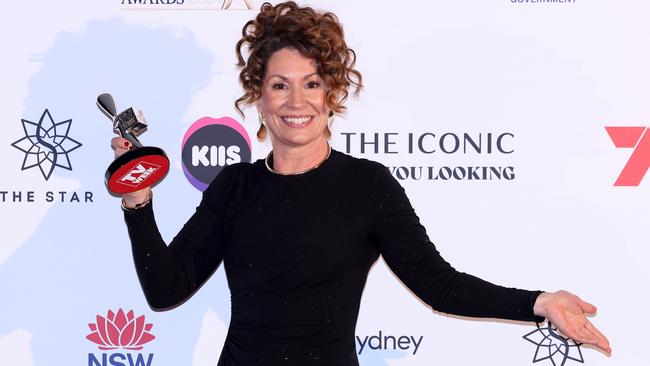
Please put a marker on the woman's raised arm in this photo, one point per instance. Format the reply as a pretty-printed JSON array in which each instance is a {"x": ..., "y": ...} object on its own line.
[{"x": 169, "y": 275}]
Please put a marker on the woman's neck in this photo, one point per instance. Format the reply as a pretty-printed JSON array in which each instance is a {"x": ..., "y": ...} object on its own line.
[{"x": 292, "y": 160}]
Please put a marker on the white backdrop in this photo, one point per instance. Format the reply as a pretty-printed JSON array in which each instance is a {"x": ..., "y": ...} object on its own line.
[{"x": 552, "y": 75}]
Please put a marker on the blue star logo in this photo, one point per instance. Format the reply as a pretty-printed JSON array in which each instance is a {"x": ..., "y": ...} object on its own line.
[
  {"x": 46, "y": 144},
  {"x": 553, "y": 347}
]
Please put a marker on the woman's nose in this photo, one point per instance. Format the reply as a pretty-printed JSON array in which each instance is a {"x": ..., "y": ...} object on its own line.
[{"x": 296, "y": 98}]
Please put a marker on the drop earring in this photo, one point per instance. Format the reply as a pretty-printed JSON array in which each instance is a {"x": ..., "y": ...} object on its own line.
[{"x": 261, "y": 132}]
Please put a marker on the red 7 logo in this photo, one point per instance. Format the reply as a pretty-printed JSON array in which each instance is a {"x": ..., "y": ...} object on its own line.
[{"x": 639, "y": 162}]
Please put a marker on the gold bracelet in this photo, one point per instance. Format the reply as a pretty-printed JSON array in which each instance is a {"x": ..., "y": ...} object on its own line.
[{"x": 138, "y": 205}]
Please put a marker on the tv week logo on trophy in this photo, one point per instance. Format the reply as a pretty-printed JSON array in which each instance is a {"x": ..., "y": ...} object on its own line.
[
  {"x": 209, "y": 145},
  {"x": 637, "y": 138},
  {"x": 142, "y": 171},
  {"x": 120, "y": 330}
]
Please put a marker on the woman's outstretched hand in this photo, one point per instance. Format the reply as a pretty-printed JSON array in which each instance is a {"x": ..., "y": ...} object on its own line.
[{"x": 569, "y": 314}]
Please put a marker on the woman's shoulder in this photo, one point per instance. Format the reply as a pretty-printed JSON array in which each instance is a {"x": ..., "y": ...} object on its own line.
[
  {"x": 232, "y": 175},
  {"x": 356, "y": 165},
  {"x": 365, "y": 170},
  {"x": 239, "y": 169}
]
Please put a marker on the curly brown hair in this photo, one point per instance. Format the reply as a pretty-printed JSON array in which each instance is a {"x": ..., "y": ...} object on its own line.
[{"x": 317, "y": 36}]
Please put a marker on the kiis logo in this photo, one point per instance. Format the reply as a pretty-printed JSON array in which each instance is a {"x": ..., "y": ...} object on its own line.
[
  {"x": 120, "y": 330},
  {"x": 209, "y": 145},
  {"x": 141, "y": 172},
  {"x": 637, "y": 138}
]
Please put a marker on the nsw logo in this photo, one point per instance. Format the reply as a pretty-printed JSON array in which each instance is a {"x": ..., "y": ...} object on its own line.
[
  {"x": 637, "y": 138},
  {"x": 211, "y": 144},
  {"x": 120, "y": 330},
  {"x": 137, "y": 175}
]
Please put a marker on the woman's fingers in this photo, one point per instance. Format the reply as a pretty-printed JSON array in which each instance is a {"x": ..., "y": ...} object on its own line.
[
  {"x": 119, "y": 142},
  {"x": 587, "y": 307},
  {"x": 585, "y": 332},
  {"x": 602, "y": 342},
  {"x": 569, "y": 313},
  {"x": 586, "y": 336},
  {"x": 590, "y": 332},
  {"x": 120, "y": 145}
]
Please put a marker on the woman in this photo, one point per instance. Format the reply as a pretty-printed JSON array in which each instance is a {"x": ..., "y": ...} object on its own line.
[{"x": 299, "y": 230}]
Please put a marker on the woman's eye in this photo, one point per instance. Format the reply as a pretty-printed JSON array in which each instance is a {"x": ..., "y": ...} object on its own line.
[
  {"x": 313, "y": 84},
  {"x": 280, "y": 86}
]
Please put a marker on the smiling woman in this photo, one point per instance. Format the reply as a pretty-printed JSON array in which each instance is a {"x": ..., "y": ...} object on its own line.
[
  {"x": 298, "y": 74},
  {"x": 299, "y": 231},
  {"x": 292, "y": 105},
  {"x": 313, "y": 55}
]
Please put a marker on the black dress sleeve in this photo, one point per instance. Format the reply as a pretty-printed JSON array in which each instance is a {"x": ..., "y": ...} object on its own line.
[
  {"x": 169, "y": 275},
  {"x": 408, "y": 252}
]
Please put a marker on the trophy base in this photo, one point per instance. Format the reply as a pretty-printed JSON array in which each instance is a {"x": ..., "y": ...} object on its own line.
[{"x": 136, "y": 169}]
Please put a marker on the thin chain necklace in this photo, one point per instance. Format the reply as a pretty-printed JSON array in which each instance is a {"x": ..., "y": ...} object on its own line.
[{"x": 268, "y": 166}]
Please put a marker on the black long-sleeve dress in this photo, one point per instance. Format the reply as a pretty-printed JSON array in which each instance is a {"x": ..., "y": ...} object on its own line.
[{"x": 297, "y": 250}]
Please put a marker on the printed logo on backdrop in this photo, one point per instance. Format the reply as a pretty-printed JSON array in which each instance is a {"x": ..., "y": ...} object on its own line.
[
  {"x": 383, "y": 342},
  {"x": 46, "y": 145},
  {"x": 552, "y": 347},
  {"x": 638, "y": 139},
  {"x": 119, "y": 330},
  {"x": 187, "y": 4},
  {"x": 209, "y": 145},
  {"x": 439, "y": 147}
]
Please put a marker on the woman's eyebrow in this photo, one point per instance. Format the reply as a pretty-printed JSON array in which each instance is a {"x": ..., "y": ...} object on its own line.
[{"x": 286, "y": 78}]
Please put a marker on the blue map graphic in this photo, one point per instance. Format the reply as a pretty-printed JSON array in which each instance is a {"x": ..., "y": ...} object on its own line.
[{"x": 78, "y": 263}]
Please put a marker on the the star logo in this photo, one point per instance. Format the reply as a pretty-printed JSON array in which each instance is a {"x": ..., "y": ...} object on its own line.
[
  {"x": 46, "y": 144},
  {"x": 553, "y": 347}
]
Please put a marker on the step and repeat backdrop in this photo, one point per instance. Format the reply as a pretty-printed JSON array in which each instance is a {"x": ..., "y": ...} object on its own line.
[{"x": 519, "y": 130}]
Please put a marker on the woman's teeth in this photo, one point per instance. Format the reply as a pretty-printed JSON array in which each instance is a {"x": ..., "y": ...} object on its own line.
[{"x": 297, "y": 120}]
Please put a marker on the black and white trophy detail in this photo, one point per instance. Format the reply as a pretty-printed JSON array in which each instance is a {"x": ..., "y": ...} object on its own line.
[{"x": 141, "y": 166}]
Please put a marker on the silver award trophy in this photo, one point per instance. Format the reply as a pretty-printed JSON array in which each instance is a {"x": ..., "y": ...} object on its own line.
[{"x": 141, "y": 166}]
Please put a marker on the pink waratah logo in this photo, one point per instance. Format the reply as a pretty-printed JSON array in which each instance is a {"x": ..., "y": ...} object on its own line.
[{"x": 119, "y": 330}]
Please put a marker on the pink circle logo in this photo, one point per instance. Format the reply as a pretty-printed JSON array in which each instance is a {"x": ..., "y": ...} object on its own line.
[{"x": 209, "y": 145}]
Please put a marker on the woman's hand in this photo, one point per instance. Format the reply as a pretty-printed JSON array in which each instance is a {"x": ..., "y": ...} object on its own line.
[
  {"x": 569, "y": 314},
  {"x": 122, "y": 145}
]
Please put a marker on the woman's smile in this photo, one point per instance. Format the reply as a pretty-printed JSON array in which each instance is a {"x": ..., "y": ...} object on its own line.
[{"x": 297, "y": 121}]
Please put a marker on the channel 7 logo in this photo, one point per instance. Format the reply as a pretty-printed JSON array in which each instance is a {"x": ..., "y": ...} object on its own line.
[{"x": 637, "y": 138}]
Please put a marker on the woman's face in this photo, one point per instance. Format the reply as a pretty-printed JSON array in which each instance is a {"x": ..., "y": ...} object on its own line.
[{"x": 293, "y": 100}]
